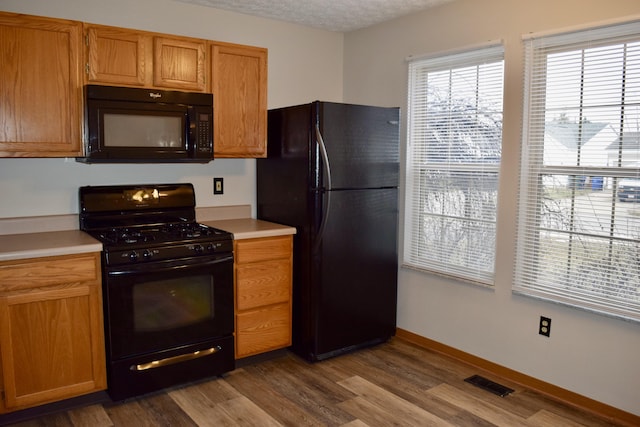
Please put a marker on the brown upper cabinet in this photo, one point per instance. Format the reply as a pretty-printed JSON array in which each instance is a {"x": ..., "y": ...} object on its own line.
[
  {"x": 45, "y": 64},
  {"x": 41, "y": 86},
  {"x": 239, "y": 86},
  {"x": 179, "y": 63},
  {"x": 118, "y": 56}
]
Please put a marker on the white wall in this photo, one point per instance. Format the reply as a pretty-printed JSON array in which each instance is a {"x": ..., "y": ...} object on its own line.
[
  {"x": 589, "y": 354},
  {"x": 304, "y": 65}
]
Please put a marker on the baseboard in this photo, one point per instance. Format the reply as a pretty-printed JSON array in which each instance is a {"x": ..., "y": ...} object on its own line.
[{"x": 551, "y": 390}]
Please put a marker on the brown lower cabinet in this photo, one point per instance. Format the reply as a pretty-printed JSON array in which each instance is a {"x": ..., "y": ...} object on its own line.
[
  {"x": 263, "y": 280},
  {"x": 51, "y": 330}
]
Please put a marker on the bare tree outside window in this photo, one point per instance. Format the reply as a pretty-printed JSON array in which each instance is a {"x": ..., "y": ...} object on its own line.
[{"x": 460, "y": 214}]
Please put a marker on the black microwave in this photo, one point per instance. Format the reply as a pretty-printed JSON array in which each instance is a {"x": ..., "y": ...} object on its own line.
[{"x": 135, "y": 125}]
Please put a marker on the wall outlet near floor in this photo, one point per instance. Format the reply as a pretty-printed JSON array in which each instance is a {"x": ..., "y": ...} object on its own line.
[
  {"x": 545, "y": 326},
  {"x": 218, "y": 186}
]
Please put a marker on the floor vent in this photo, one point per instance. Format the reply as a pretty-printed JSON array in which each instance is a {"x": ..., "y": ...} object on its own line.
[{"x": 489, "y": 385}]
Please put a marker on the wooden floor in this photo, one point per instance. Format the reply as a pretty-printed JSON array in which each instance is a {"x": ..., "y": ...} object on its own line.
[{"x": 395, "y": 383}]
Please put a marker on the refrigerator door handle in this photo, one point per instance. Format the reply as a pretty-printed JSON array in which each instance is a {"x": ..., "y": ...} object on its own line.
[
  {"x": 325, "y": 157},
  {"x": 325, "y": 192}
]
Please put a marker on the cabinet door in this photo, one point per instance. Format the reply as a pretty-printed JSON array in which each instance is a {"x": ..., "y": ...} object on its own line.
[
  {"x": 239, "y": 86},
  {"x": 51, "y": 330},
  {"x": 179, "y": 63},
  {"x": 116, "y": 56},
  {"x": 40, "y": 78},
  {"x": 262, "y": 330}
]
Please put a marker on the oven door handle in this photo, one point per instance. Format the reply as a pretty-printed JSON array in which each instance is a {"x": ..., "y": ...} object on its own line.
[
  {"x": 166, "y": 266},
  {"x": 175, "y": 359}
]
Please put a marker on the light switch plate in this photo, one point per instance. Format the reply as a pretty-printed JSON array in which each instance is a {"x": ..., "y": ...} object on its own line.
[{"x": 218, "y": 186}]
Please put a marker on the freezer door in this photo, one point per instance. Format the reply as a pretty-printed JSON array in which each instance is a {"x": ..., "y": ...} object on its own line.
[
  {"x": 362, "y": 145},
  {"x": 357, "y": 265},
  {"x": 283, "y": 178}
]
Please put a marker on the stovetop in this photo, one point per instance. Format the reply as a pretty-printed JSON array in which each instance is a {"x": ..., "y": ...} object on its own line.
[
  {"x": 151, "y": 222},
  {"x": 160, "y": 233}
]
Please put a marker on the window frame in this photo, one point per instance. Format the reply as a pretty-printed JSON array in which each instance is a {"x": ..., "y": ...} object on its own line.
[
  {"x": 488, "y": 54},
  {"x": 531, "y": 245}
]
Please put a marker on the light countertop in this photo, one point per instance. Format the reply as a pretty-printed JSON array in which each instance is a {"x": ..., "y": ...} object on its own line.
[
  {"x": 249, "y": 228},
  {"x": 68, "y": 242},
  {"x": 50, "y": 243}
]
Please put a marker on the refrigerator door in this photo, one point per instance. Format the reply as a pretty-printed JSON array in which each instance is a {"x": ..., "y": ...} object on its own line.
[
  {"x": 361, "y": 145},
  {"x": 355, "y": 284},
  {"x": 284, "y": 180},
  {"x": 345, "y": 249}
]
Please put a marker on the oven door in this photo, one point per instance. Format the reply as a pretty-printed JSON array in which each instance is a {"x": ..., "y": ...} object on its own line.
[{"x": 156, "y": 306}]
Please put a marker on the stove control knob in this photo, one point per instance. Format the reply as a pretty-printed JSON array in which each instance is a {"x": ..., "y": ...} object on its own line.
[
  {"x": 147, "y": 254},
  {"x": 133, "y": 256},
  {"x": 211, "y": 247},
  {"x": 198, "y": 248}
]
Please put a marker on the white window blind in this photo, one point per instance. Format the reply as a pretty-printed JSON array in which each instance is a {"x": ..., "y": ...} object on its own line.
[
  {"x": 579, "y": 208},
  {"x": 453, "y": 160}
]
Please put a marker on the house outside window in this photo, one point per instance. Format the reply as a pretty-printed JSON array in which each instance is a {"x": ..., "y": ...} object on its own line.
[
  {"x": 578, "y": 238},
  {"x": 453, "y": 161}
]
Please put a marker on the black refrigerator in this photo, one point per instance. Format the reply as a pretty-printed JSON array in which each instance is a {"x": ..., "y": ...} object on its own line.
[{"x": 332, "y": 173}]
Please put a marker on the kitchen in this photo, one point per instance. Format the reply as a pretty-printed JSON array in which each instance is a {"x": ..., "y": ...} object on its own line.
[{"x": 368, "y": 66}]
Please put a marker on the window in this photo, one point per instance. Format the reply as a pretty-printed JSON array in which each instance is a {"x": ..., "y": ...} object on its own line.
[
  {"x": 579, "y": 208},
  {"x": 453, "y": 160}
]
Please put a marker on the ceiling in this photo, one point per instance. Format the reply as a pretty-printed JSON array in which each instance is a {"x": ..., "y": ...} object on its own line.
[{"x": 332, "y": 15}]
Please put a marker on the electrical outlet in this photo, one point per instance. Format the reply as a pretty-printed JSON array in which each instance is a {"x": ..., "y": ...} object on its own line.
[
  {"x": 218, "y": 186},
  {"x": 545, "y": 326}
]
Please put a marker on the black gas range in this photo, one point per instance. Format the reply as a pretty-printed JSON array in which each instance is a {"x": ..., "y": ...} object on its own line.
[{"x": 167, "y": 286}]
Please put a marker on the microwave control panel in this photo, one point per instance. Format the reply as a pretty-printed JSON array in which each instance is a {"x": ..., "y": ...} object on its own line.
[
  {"x": 201, "y": 130},
  {"x": 205, "y": 140}
]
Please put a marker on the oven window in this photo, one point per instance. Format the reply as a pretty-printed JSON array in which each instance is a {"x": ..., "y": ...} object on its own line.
[
  {"x": 133, "y": 130},
  {"x": 172, "y": 303}
]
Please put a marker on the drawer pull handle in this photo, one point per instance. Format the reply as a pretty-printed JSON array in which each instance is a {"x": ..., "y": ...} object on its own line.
[{"x": 175, "y": 359}]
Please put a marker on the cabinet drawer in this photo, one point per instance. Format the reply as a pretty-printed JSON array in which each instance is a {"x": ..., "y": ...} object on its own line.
[
  {"x": 263, "y": 330},
  {"x": 252, "y": 250},
  {"x": 38, "y": 272},
  {"x": 263, "y": 283}
]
